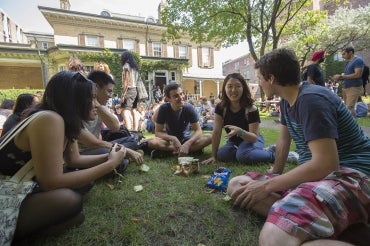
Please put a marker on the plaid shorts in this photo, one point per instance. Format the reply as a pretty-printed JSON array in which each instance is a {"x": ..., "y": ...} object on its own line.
[{"x": 322, "y": 209}]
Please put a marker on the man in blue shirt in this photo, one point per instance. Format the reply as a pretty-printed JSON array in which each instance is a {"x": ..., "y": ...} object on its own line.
[
  {"x": 352, "y": 76},
  {"x": 173, "y": 126},
  {"x": 328, "y": 192}
]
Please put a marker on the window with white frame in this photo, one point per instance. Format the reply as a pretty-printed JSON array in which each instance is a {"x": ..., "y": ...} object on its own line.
[
  {"x": 173, "y": 76},
  {"x": 92, "y": 41},
  {"x": 206, "y": 57},
  {"x": 157, "y": 49},
  {"x": 246, "y": 75},
  {"x": 44, "y": 45},
  {"x": 246, "y": 61},
  {"x": 129, "y": 44},
  {"x": 183, "y": 52},
  {"x": 236, "y": 65}
]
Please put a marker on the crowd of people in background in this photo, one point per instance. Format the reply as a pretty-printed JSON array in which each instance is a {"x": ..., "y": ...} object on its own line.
[{"x": 97, "y": 136}]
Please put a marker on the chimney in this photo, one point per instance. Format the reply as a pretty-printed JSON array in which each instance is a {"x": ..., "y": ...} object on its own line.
[{"x": 64, "y": 4}]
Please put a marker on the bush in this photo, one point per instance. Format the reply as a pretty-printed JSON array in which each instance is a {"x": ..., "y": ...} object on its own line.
[{"x": 13, "y": 93}]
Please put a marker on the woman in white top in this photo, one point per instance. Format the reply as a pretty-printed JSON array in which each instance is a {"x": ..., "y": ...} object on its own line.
[{"x": 130, "y": 75}]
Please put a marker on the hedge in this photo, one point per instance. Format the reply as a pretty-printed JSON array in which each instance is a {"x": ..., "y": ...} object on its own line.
[{"x": 13, "y": 93}]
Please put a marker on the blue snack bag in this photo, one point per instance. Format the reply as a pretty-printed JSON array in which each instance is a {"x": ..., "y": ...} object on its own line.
[{"x": 219, "y": 179}]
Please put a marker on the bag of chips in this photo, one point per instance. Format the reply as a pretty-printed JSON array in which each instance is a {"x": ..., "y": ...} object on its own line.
[{"x": 219, "y": 179}]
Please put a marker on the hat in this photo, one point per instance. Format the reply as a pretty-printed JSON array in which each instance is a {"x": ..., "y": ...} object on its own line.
[{"x": 318, "y": 55}]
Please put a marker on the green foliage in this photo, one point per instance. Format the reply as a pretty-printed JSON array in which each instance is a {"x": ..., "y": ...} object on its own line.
[
  {"x": 13, "y": 93},
  {"x": 146, "y": 66},
  {"x": 313, "y": 30},
  {"x": 225, "y": 23}
]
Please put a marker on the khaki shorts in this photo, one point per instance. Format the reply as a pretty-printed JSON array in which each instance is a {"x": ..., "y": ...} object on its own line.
[{"x": 351, "y": 95}]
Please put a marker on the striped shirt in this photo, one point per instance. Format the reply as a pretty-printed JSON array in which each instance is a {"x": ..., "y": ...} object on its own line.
[{"x": 318, "y": 113}]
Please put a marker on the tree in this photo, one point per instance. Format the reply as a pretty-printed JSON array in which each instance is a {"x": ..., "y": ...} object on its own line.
[
  {"x": 228, "y": 22},
  {"x": 313, "y": 30}
]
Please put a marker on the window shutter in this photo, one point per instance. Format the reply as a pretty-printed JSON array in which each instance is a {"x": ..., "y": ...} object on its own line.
[
  {"x": 200, "y": 60},
  {"x": 150, "y": 49},
  {"x": 164, "y": 52},
  {"x": 137, "y": 46},
  {"x": 211, "y": 58},
  {"x": 119, "y": 43},
  {"x": 101, "y": 42},
  {"x": 176, "y": 51},
  {"x": 190, "y": 55},
  {"x": 81, "y": 40}
]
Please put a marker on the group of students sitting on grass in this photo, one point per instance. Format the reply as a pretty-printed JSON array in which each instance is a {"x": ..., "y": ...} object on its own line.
[{"x": 322, "y": 200}]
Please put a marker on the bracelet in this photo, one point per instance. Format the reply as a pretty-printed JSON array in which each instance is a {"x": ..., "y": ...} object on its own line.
[{"x": 241, "y": 133}]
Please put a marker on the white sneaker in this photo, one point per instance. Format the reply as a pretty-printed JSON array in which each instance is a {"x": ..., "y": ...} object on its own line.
[
  {"x": 293, "y": 157},
  {"x": 271, "y": 148}
]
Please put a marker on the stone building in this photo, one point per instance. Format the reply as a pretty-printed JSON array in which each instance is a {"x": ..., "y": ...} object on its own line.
[{"x": 34, "y": 59}]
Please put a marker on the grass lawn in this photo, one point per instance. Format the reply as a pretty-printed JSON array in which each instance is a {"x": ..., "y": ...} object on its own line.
[{"x": 170, "y": 210}]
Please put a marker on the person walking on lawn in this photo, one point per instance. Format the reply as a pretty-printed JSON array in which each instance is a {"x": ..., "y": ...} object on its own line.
[
  {"x": 177, "y": 118},
  {"x": 320, "y": 201}
]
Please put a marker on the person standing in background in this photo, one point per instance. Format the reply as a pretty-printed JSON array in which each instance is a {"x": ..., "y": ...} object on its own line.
[
  {"x": 313, "y": 73},
  {"x": 130, "y": 75},
  {"x": 352, "y": 77}
]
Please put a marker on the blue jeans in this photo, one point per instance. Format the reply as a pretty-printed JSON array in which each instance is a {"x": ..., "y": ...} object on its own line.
[{"x": 246, "y": 152}]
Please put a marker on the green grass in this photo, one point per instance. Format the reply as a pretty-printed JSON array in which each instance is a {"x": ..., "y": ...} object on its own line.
[{"x": 170, "y": 210}]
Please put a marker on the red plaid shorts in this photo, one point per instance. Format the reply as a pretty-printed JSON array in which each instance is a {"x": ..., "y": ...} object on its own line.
[{"x": 321, "y": 209}]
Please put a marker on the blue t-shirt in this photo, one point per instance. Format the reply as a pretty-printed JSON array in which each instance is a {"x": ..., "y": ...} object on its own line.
[
  {"x": 177, "y": 123},
  {"x": 357, "y": 62},
  {"x": 318, "y": 113}
]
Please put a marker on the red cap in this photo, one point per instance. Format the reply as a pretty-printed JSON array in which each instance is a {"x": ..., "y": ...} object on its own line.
[{"x": 318, "y": 55}]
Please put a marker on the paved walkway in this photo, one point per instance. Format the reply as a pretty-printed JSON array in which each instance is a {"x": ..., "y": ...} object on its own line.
[{"x": 272, "y": 124}]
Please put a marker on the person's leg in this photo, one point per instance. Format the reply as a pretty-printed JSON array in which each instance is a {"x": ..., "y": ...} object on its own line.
[
  {"x": 250, "y": 153},
  {"x": 61, "y": 208},
  {"x": 127, "y": 118},
  {"x": 135, "y": 120},
  {"x": 202, "y": 142},
  {"x": 160, "y": 144},
  {"x": 227, "y": 152},
  {"x": 262, "y": 207},
  {"x": 270, "y": 234},
  {"x": 129, "y": 142},
  {"x": 352, "y": 95}
]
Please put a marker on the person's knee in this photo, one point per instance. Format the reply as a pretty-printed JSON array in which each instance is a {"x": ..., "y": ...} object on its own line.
[
  {"x": 72, "y": 201},
  {"x": 236, "y": 182},
  {"x": 270, "y": 234}
]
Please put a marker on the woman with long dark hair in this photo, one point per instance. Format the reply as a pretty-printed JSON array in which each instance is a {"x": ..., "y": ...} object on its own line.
[
  {"x": 23, "y": 102},
  {"x": 50, "y": 140},
  {"x": 240, "y": 118},
  {"x": 130, "y": 76}
]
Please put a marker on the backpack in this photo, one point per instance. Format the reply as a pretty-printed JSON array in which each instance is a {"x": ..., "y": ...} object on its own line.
[{"x": 365, "y": 75}]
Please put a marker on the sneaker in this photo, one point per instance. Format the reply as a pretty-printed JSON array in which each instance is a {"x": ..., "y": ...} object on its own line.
[
  {"x": 159, "y": 153},
  {"x": 144, "y": 145},
  {"x": 271, "y": 148},
  {"x": 293, "y": 157},
  {"x": 121, "y": 168}
]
